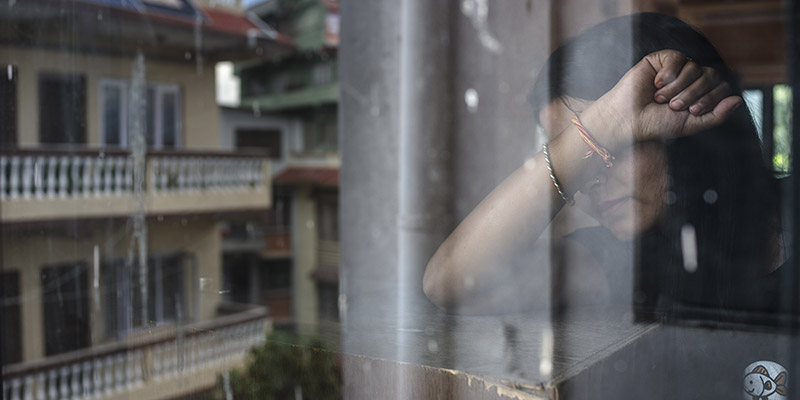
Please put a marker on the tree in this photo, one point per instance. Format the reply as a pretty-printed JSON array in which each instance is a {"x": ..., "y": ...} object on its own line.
[{"x": 285, "y": 365}]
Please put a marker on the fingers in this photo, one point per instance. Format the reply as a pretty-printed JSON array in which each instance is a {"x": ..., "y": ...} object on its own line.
[
  {"x": 668, "y": 65},
  {"x": 687, "y": 85},
  {"x": 721, "y": 111},
  {"x": 710, "y": 99},
  {"x": 677, "y": 91}
]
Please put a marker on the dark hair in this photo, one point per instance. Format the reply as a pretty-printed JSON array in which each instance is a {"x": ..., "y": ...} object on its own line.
[{"x": 718, "y": 181}]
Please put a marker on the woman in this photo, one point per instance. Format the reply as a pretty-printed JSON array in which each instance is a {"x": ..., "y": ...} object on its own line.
[{"x": 675, "y": 179}]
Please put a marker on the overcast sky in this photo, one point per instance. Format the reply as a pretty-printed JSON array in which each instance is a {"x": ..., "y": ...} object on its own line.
[{"x": 227, "y": 85}]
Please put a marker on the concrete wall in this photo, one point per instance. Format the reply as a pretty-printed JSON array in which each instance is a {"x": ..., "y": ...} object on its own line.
[
  {"x": 198, "y": 92},
  {"x": 27, "y": 250}
]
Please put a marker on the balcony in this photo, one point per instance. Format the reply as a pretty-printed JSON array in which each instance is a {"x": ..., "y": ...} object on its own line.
[
  {"x": 168, "y": 364},
  {"x": 41, "y": 185},
  {"x": 268, "y": 241}
]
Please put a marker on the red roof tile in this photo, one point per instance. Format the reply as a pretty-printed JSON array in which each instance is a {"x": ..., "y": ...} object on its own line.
[{"x": 225, "y": 22}]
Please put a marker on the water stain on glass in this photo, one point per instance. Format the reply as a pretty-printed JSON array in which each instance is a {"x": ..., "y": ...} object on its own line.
[
  {"x": 471, "y": 99},
  {"x": 710, "y": 196},
  {"x": 689, "y": 248}
]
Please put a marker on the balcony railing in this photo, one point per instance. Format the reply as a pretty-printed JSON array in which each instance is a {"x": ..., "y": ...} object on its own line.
[
  {"x": 37, "y": 184},
  {"x": 147, "y": 367},
  {"x": 270, "y": 241}
]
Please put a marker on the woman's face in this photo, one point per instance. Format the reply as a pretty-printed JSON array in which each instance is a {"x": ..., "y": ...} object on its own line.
[{"x": 627, "y": 198}]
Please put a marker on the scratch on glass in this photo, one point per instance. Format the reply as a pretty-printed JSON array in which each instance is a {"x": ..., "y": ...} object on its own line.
[
  {"x": 96, "y": 277},
  {"x": 137, "y": 252},
  {"x": 689, "y": 248}
]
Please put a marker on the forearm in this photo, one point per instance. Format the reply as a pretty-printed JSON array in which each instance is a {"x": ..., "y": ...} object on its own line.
[{"x": 512, "y": 217}]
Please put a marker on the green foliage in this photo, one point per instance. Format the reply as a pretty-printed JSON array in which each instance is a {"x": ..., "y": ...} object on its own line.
[{"x": 285, "y": 364}]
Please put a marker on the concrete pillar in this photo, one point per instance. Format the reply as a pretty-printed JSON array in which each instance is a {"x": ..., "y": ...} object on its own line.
[
  {"x": 433, "y": 115},
  {"x": 208, "y": 248},
  {"x": 304, "y": 248},
  {"x": 32, "y": 313},
  {"x": 27, "y": 102}
]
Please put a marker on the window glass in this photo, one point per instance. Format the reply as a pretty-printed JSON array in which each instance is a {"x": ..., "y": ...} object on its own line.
[
  {"x": 65, "y": 298},
  {"x": 113, "y": 117},
  {"x": 162, "y": 110},
  {"x": 152, "y": 115},
  {"x": 8, "y": 106},
  {"x": 323, "y": 199},
  {"x": 62, "y": 97},
  {"x": 268, "y": 141},
  {"x": 169, "y": 119},
  {"x": 10, "y": 314}
]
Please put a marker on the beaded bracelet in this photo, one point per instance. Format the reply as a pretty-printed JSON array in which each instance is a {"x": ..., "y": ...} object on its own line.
[
  {"x": 549, "y": 165},
  {"x": 594, "y": 147}
]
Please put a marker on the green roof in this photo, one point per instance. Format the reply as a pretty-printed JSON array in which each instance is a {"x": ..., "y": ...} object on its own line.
[{"x": 307, "y": 97}]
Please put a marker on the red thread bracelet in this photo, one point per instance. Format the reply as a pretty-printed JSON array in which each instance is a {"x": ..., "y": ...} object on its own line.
[{"x": 594, "y": 147}]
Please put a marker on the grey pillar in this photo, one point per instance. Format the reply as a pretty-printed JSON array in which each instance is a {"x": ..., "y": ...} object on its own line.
[{"x": 415, "y": 154}]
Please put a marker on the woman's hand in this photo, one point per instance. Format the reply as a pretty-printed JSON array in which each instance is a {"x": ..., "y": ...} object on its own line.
[{"x": 664, "y": 96}]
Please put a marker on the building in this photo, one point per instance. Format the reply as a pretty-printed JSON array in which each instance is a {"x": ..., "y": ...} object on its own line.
[
  {"x": 115, "y": 191},
  {"x": 289, "y": 109}
]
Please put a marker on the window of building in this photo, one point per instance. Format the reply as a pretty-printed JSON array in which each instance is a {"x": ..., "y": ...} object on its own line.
[
  {"x": 62, "y": 107},
  {"x": 163, "y": 110},
  {"x": 328, "y": 300},
  {"x": 281, "y": 212},
  {"x": 8, "y": 106},
  {"x": 165, "y": 294},
  {"x": 10, "y": 318},
  {"x": 320, "y": 135},
  {"x": 275, "y": 276},
  {"x": 322, "y": 73},
  {"x": 266, "y": 140},
  {"x": 113, "y": 101},
  {"x": 65, "y": 299},
  {"x": 328, "y": 215}
]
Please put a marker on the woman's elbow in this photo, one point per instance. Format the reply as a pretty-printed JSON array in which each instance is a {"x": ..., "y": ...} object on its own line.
[{"x": 434, "y": 286}]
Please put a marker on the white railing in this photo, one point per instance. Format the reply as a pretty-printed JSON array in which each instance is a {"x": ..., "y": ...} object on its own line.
[
  {"x": 38, "y": 175},
  {"x": 119, "y": 369},
  {"x": 170, "y": 174},
  {"x": 28, "y": 176}
]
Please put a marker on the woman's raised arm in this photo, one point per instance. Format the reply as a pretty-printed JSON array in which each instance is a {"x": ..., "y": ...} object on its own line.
[{"x": 476, "y": 259}]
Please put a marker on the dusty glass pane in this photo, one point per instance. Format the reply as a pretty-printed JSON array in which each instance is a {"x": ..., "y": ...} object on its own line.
[{"x": 418, "y": 199}]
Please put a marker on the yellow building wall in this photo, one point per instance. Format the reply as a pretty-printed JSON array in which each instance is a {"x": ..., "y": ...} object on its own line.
[
  {"x": 198, "y": 96},
  {"x": 29, "y": 250},
  {"x": 304, "y": 289}
]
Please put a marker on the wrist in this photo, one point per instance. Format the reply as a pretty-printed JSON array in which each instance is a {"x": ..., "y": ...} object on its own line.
[{"x": 607, "y": 125}]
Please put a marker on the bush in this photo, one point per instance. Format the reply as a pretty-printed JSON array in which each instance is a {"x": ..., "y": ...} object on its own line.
[{"x": 284, "y": 365}]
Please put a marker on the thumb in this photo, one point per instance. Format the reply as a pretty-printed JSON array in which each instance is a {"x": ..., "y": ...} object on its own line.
[{"x": 723, "y": 110}]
